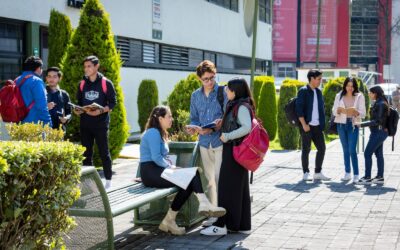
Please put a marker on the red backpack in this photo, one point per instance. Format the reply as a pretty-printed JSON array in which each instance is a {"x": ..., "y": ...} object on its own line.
[
  {"x": 12, "y": 105},
  {"x": 251, "y": 151}
]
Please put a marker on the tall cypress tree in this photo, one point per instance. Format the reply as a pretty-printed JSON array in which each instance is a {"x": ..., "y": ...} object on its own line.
[
  {"x": 93, "y": 36},
  {"x": 147, "y": 99},
  {"x": 60, "y": 31},
  {"x": 267, "y": 107}
]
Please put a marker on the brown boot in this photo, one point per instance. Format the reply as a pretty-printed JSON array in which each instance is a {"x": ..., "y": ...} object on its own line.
[
  {"x": 208, "y": 209},
  {"x": 168, "y": 224}
]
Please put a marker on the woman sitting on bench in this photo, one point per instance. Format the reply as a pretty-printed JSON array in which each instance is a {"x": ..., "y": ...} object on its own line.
[{"x": 153, "y": 160}]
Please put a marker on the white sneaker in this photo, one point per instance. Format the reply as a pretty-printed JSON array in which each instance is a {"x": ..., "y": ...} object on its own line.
[
  {"x": 209, "y": 222},
  {"x": 306, "y": 176},
  {"x": 320, "y": 176},
  {"x": 346, "y": 177},
  {"x": 107, "y": 186},
  {"x": 214, "y": 231},
  {"x": 356, "y": 178}
]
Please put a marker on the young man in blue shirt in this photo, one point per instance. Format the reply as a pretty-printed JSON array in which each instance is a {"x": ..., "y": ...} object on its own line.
[
  {"x": 205, "y": 108},
  {"x": 33, "y": 91},
  {"x": 310, "y": 110}
]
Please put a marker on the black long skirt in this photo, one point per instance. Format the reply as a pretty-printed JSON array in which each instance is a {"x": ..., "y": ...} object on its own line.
[{"x": 233, "y": 193}]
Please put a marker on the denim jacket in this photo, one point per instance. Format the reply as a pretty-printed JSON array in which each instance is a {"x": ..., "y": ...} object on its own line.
[{"x": 304, "y": 105}]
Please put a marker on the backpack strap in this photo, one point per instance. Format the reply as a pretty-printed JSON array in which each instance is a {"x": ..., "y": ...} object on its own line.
[
  {"x": 220, "y": 97},
  {"x": 236, "y": 110},
  {"x": 103, "y": 85},
  {"x": 19, "y": 85}
]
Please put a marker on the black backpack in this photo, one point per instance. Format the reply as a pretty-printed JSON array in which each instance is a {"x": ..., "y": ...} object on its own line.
[
  {"x": 391, "y": 124},
  {"x": 290, "y": 111},
  {"x": 220, "y": 97}
]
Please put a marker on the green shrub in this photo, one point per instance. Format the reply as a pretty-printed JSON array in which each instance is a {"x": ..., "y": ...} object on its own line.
[
  {"x": 267, "y": 108},
  {"x": 179, "y": 99},
  {"x": 288, "y": 135},
  {"x": 181, "y": 120},
  {"x": 38, "y": 183},
  {"x": 93, "y": 36},
  {"x": 257, "y": 84},
  {"x": 33, "y": 132},
  {"x": 331, "y": 88},
  {"x": 147, "y": 99},
  {"x": 60, "y": 31},
  {"x": 363, "y": 89}
]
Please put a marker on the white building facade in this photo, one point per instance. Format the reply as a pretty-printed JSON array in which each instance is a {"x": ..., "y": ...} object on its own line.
[{"x": 162, "y": 40}]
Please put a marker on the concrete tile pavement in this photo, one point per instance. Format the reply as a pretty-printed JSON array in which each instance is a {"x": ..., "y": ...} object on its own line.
[{"x": 292, "y": 214}]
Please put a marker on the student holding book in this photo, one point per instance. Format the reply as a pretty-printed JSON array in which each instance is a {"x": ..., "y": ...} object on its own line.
[
  {"x": 349, "y": 108},
  {"x": 94, "y": 123},
  {"x": 153, "y": 161}
]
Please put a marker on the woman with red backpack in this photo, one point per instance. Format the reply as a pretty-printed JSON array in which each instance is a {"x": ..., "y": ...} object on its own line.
[{"x": 233, "y": 185}]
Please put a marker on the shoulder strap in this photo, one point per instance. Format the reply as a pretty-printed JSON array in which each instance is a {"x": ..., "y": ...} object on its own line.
[
  {"x": 220, "y": 97},
  {"x": 19, "y": 85},
  {"x": 104, "y": 84},
  {"x": 236, "y": 110},
  {"x": 81, "y": 85}
]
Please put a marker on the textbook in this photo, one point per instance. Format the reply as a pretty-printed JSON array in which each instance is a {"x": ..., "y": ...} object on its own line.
[
  {"x": 197, "y": 128},
  {"x": 179, "y": 176},
  {"x": 92, "y": 107}
]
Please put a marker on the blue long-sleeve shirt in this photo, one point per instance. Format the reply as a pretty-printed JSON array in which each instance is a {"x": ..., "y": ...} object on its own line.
[
  {"x": 153, "y": 148},
  {"x": 204, "y": 110},
  {"x": 33, "y": 90}
]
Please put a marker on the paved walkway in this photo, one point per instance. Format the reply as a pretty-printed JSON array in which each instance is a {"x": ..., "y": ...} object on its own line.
[{"x": 292, "y": 214}]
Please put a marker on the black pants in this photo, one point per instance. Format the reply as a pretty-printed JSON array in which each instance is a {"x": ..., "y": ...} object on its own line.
[
  {"x": 233, "y": 193},
  {"x": 100, "y": 135},
  {"x": 317, "y": 136},
  {"x": 151, "y": 177}
]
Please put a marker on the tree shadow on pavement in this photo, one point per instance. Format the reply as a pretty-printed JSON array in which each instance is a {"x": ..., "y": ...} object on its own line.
[
  {"x": 299, "y": 187},
  {"x": 378, "y": 189}
]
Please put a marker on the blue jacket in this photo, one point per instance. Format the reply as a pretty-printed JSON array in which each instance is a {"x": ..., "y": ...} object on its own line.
[
  {"x": 33, "y": 90},
  {"x": 304, "y": 105}
]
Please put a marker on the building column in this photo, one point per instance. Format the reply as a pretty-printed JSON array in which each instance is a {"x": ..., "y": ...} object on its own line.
[{"x": 32, "y": 39}]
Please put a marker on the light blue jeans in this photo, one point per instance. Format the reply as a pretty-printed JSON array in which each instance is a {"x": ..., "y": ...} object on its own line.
[{"x": 348, "y": 135}]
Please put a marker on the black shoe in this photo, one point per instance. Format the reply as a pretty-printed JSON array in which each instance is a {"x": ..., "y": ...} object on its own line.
[
  {"x": 378, "y": 180},
  {"x": 365, "y": 180}
]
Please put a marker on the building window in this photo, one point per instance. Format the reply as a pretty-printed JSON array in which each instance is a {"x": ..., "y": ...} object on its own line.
[
  {"x": 283, "y": 70},
  {"x": 172, "y": 55},
  {"x": 264, "y": 11},
  {"x": 11, "y": 49},
  {"x": 228, "y": 4}
]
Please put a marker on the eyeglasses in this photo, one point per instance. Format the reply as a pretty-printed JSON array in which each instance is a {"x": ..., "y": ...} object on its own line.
[{"x": 207, "y": 79}]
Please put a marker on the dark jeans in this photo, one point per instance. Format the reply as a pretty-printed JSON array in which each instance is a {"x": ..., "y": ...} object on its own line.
[
  {"x": 150, "y": 173},
  {"x": 348, "y": 135},
  {"x": 317, "y": 136},
  {"x": 375, "y": 145},
  {"x": 100, "y": 135}
]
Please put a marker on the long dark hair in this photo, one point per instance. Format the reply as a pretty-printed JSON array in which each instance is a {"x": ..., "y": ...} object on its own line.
[
  {"x": 242, "y": 94},
  {"x": 346, "y": 81},
  {"x": 154, "y": 122},
  {"x": 379, "y": 93}
]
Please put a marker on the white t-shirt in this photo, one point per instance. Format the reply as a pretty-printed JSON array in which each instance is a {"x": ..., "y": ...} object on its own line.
[{"x": 315, "y": 114}]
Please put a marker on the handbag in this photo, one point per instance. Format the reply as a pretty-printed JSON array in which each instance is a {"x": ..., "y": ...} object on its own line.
[
  {"x": 332, "y": 129},
  {"x": 251, "y": 151}
]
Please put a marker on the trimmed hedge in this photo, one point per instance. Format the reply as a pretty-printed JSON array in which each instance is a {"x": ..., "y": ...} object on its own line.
[
  {"x": 331, "y": 88},
  {"x": 93, "y": 36},
  {"x": 147, "y": 99},
  {"x": 289, "y": 136},
  {"x": 257, "y": 84},
  {"x": 38, "y": 183},
  {"x": 179, "y": 99},
  {"x": 267, "y": 106},
  {"x": 60, "y": 31}
]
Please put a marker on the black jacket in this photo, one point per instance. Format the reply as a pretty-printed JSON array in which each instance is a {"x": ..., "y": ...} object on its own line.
[
  {"x": 61, "y": 99},
  {"x": 378, "y": 113},
  {"x": 93, "y": 92}
]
